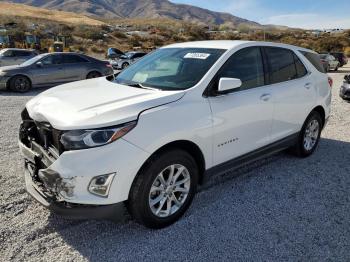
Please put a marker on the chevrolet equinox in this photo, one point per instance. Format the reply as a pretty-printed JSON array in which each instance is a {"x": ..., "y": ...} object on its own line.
[{"x": 145, "y": 138}]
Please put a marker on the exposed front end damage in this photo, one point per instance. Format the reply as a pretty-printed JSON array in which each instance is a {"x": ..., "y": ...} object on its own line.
[
  {"x": 40, "y": 147},
  {"x": 39, "y": 144}
]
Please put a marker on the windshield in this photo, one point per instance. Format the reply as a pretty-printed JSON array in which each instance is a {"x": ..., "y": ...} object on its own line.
[
  {"x": 323, "y": 56},
  {"x": 171, "y": 68},
  {"x": 33, "y": 60}
]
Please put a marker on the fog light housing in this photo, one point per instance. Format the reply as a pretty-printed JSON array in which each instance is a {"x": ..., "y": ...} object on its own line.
[{"x": 100, "y": 185}]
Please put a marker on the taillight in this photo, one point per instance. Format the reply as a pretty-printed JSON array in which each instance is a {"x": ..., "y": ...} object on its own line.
[{"x": 330, "y": 81}]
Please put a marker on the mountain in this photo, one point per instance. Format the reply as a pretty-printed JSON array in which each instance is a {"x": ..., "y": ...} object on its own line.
[
  {"x": 13, "y": 10},
  {"x": 139, "y": 9}
]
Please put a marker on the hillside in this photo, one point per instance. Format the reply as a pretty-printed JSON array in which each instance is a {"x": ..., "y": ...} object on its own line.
[
  {"x": 140, "y": 9},
  {"x": 12, "y": 10}
]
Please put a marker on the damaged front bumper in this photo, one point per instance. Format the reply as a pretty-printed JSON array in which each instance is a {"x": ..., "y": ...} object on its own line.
[{"x": 51, "y": 190}]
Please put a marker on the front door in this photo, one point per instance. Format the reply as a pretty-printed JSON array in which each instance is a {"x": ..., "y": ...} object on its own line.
[
  {"x": 50, "y": 71},
  {"x": 241, "y": 119}
]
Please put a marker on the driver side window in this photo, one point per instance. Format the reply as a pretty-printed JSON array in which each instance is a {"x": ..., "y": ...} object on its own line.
[{"x": 246, "y": 65}]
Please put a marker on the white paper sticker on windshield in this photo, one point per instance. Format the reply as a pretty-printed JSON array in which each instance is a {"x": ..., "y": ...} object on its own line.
[{"x": 197, "y": 55}]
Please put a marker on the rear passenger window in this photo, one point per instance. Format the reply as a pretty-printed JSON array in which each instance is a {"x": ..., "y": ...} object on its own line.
[
  {"x": 246, "y": 65},
  {"x": 301, "y": 70},
  {"x": 281, "y": 64},
  {"x": 72, "y": 59},
  {"x": 315, "y": 60},
  {"x": 22, "y": 53}
]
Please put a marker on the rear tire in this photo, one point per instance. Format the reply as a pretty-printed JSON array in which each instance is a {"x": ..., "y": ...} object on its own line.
[
  {"x": 20, "y": 84},
  {"x": 309, "y": 136},
  {"x": 163, "y": 189},
  {"x": 93, "y": 74}
]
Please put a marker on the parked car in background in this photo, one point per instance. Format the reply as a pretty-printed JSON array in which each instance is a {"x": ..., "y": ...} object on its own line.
[
  {"x": 341, "y": 57},
  {"x": 114, "y": 53},
  {"x": 345, "y": 88},
  {"x": 52, "y": 69},
  {"x": 146, "y": 138},
  {"x": 329, "y": 62},
  {"x": 127, "y": 59},
  {"x": 15, "y": 56}
]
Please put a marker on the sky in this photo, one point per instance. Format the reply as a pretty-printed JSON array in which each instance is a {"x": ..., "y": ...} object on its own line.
[{"x": 308, "y": 14}]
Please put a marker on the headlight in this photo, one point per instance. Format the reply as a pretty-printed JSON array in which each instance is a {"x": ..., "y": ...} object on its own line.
[
  {"x": 100, "y": 185},
  {"x": 2, "y": 73},
  {"x": 82, "y": 139}
]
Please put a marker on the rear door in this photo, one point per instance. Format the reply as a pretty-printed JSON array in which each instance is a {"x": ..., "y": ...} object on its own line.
[
  {"x": 293, "y": 88},
  {"x": 75, "y": 67},
  {"x": 242, "y": 119}
]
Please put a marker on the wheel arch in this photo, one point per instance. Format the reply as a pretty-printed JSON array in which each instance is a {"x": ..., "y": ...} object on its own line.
[
  {"x": 186, "y": 145},
  {"x": 319, "y": 109},
  {"x": 92, "y": 71},
  {"x": 20, "y": 74}
]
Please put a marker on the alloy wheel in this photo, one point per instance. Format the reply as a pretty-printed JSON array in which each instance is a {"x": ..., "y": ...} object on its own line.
[
  {"x": 21, "y": 84},
  {"x": 311, "y": 135},
  {"x": 169, "y": 190}
]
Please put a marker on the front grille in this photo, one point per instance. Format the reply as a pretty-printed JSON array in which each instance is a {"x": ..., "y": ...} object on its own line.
[{"x": 40, "y": 132}]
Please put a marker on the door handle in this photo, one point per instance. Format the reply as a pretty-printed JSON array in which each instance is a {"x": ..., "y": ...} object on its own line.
[
  {"x": 265, "y": 97},
  {"x": 307, "y": 85}
]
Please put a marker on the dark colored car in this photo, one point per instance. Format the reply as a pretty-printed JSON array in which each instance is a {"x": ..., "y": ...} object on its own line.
[
  {"x": 345, "y": 88},
  {"x": 341, "y": 57},
  {"x": 52, "y": 69}
]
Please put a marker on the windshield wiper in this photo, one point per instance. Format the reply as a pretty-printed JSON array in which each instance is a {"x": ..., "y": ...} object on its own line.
[{"x": 139, "y": 85}]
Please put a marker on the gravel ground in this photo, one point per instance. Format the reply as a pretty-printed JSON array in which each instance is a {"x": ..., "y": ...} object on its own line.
[{"x": 281, "y": 208}]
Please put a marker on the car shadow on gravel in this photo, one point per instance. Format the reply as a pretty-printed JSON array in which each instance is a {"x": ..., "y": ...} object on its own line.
[{"x": 275, "y": 208}]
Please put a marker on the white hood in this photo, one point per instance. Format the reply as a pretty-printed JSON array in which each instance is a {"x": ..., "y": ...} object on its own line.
[{"x": 95, "y": 103}]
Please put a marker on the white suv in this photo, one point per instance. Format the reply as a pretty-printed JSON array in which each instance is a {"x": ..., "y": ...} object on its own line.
[{"x": 146, "y": 138}]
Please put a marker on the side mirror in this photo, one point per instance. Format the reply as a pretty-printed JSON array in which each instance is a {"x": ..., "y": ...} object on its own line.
[
  {"x": 228, "y": 84},
  {"x": 39, "y": 64}
]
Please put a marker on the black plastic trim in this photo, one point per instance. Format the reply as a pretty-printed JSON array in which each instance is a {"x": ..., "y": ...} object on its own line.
[{"x": 255, "y": 155}]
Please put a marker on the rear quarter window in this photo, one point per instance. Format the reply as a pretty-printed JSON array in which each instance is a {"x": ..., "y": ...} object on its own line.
[{"x": 315, "y": 60}]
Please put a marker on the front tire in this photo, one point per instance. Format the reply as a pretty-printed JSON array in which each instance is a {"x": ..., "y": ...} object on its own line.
[
  {"x": 309, "y": 135},
  {"x": 125, "y": 65},
  {"x": 164, "y": 189},
  {"x": 20, "y": 84}
]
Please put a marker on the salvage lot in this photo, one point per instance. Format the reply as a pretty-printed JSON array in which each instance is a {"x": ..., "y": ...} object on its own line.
[{"x": 280, "y": 208}]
